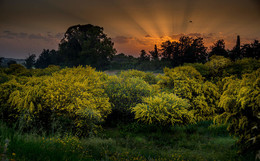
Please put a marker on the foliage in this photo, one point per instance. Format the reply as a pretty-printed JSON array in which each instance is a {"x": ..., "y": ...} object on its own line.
[
  {"x": 240, "y": 101},
  {"x": 30, "y": 61},
  {"x": 216, "y": 66},
  {"x": 186, "y": 82},
  {"x": 164, "y": 109},
  {"x": 219, "y": 49},
  {"x": 115, "y": 144},
  {"x": 75, "y": 95},
  {"x": 186, "y": 50},
  {"x": 124, "y": 93},
  {"x": 9, "y": 114},
  {"x": 86, "y": 45},
  {"x": 46, "y": 58},
  {"x": 202, "y": 68},
  {"x": 242, "y": 66},
  {"x": 146, "y": 76},
  {"x": 251, "y": 50},
  {"x": 46, "y": 71},
  {"x": 17, "y": 70}
]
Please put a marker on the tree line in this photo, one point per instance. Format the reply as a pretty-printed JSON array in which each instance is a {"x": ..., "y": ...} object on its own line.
[{"x": 88, "y": 45}]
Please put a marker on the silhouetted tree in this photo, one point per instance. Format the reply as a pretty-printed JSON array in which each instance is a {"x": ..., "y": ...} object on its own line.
[
  {"x": 219, "y": 49},
  {"x": 30, "y": 61},
  {"x": 236, "y": 52},
  {"x": 86, "y": 45},
  {"x": 1, "y": 61},
  {"x": 196, "y": 52},
  {"x": 251, "y": 50},
  {"x": 155, "y": 53},
  {"x": 186, "y": 50},
  {"x": 46, "y": 58},
  {"x": 167, "y": 50},
  {"x": 144, "y": 56}
]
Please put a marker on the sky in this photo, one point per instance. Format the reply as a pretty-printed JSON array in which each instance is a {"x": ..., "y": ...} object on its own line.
[{"x": 29, "y": 26}]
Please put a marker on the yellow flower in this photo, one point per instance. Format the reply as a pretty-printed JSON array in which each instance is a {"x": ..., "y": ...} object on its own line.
[{"x": 13, "y": 154}]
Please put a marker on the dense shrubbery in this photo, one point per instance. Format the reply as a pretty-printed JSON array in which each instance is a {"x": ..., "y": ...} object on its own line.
[
  {"x": 164, "y": 109},
  {"x": 186, "y": 82},
  {"x": 146, "y": 76},
  {"x": 124, "y": 93},
  {"x": 79, "y": 100},
  {"x": 240, "y": 101},
  {"x": 71, "y": 99}
]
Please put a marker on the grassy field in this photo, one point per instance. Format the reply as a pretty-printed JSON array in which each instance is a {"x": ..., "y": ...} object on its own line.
[{"x": 125, "y": 142}]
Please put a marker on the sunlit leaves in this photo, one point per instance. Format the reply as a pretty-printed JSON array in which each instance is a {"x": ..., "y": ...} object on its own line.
[
  {"x": 186, "y": 82},
  {"x": 240, "y": 101},
  {"x": 72, "y": 93},
  {"x": 164, "y": 109}
]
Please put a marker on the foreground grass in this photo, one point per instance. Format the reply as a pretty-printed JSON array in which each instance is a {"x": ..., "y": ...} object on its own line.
[{"x": 126, "y": 142}]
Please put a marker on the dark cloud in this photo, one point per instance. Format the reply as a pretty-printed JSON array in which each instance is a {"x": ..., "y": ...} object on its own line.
[
  {"x": 121, "y": 39},
  {"x": 36, "y": 36},
  {"x": 22, "y": 35},
  {"x": 147, "y": 35}
]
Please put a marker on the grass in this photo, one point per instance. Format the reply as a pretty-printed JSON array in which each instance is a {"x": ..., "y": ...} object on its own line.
[{"x": 126, "y": 142}]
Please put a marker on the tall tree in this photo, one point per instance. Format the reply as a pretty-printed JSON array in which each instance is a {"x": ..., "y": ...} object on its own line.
[
  {"x": 251, "y": 50},
  {"x": 236, "y": 52},
  {"x": 46, "y": 58},
  {"x": 167, "y": 50},
  {"x": 86, "y": 45},
  {"x": 30, "y": 61},
  {"x": 155, "y": 53},
  {"x": 186, "y": 50},
  {"x": 219, "y": 49},
  {"x": 144, "y": 56}
]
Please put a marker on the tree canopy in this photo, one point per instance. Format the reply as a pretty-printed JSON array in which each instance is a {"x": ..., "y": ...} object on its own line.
[{"x": 86, "y": 45}]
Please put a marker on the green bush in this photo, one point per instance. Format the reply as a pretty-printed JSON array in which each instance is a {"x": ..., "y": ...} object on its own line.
[
  {"x": 164, "y": 109},
  {"x": 146, "y": 76},
  {"x": 186, "y": 82},
  {"x": 124, "y": 93},
  {"x": 71, "y": 99},
  {"x": 240, "y": 102}
]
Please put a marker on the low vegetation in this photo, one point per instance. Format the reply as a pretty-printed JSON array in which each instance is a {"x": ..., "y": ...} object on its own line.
[{"x": 192, "y": 112}]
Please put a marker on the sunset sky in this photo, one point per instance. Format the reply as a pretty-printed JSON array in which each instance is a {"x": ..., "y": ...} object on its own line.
[{"x": 29, "y": 26}]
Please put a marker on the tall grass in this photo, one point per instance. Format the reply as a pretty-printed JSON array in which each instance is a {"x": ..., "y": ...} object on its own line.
[{"x": 126, "y": 142}]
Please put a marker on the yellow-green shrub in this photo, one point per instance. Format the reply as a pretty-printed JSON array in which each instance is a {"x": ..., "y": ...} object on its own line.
[
  {"x": 217, "y": 66},
  {"x": 17, "y": 70},
  {"x": 8, "y": 114},
  {"x": 146, "y": 76},
  {"x": 186, "y": 82},
  {"x": 241, "y": 104},
  {"x": 164, "y": 109},
  {"x": 124, "y": 93},
  {"x": 46, "y": 71},
  {"x": 72, "y": 94}
]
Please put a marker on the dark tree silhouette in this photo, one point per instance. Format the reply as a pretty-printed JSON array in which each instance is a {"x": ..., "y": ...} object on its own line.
[
  {"x": 1, "y": 61},
  {"x": 155, "y": 53},
  {"x": 86, "y": 45},
  {"x": 167, "y": 50},
  {"x": 236, "y": 52},
  {"x": 251, "y": 50},
  {"x": 144, "y": 56},
  {"x": 47, "y": 58},
  {"x": 219, "y": 49},
  {"x": 196, "y": 52},
  {"x": 30, "y": 61},
  {"x": 187, "y": 50}
]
